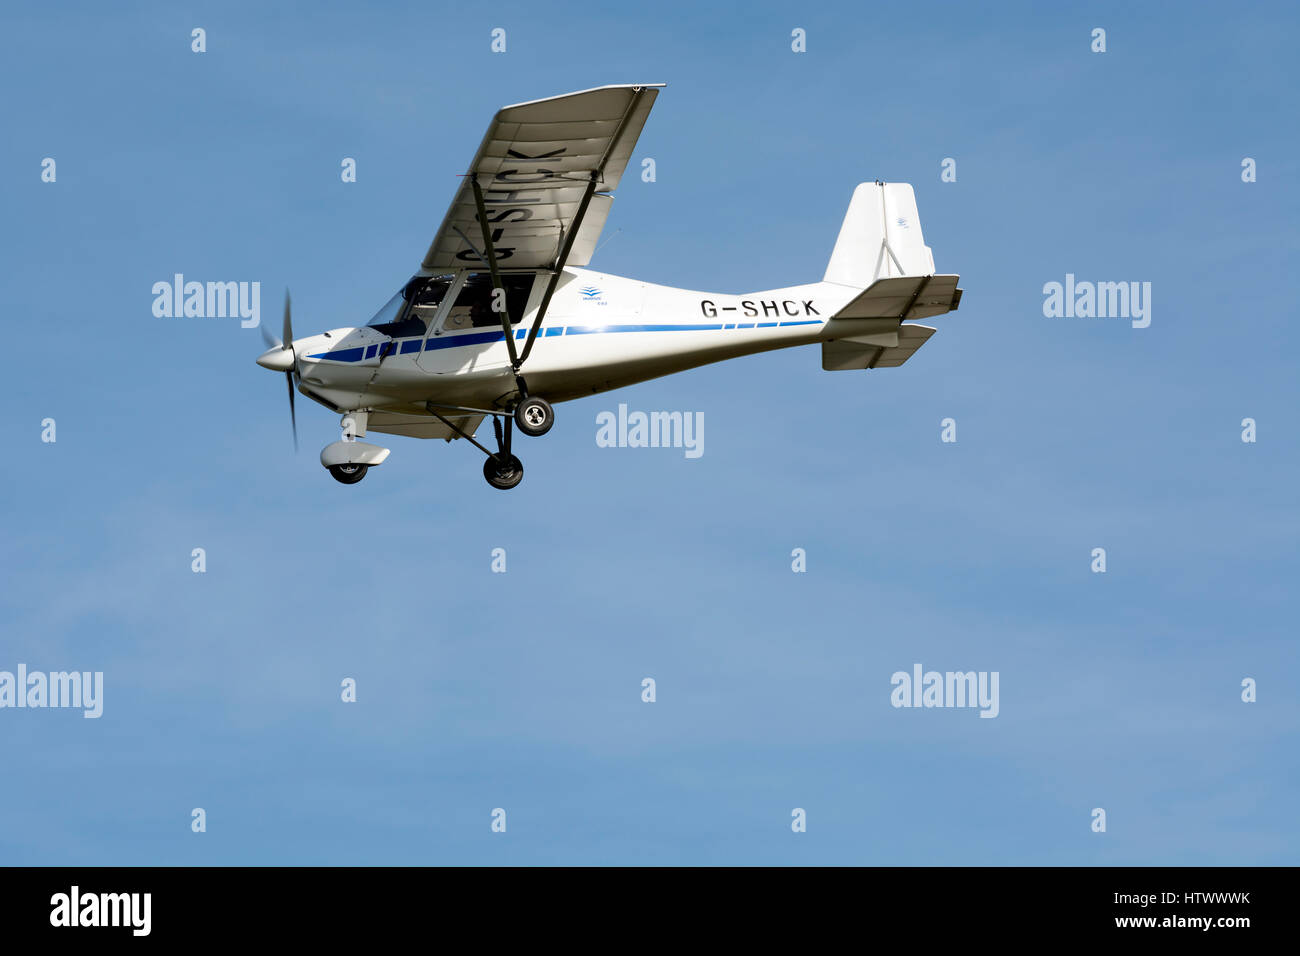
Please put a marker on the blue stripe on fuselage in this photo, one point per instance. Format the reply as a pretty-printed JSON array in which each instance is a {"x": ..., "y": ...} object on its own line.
[{"x": 406, "y": 346}]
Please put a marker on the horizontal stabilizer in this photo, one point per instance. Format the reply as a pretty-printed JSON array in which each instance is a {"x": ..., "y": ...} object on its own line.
[
  {"x": 882, "y": 350},
  {"x": 904, "y": 297}
]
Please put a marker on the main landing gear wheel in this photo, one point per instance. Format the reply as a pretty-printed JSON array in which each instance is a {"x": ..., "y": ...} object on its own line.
[
  {"x": 502, "y": 471},
  {"x": 351, "y": 474},
  {"x": 534, "y": 416}
]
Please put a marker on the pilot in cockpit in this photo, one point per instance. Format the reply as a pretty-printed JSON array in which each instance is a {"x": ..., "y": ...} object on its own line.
[
  {"x": 431, "y": 292},
  {"x": 480, "y": 310}
]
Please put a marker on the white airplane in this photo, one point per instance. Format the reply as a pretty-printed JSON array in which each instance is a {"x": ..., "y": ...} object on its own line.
[{"x": 507, "y": 270}]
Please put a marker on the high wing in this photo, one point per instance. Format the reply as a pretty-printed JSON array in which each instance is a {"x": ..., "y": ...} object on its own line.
[{"x": 534, "y": 166}]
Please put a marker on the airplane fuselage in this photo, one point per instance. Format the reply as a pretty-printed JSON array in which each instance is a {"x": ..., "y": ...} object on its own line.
[{"x": 600, "y": 332}]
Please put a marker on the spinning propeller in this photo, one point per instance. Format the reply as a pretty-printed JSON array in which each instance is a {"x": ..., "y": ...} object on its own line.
[{"x": 279, "y": 357}]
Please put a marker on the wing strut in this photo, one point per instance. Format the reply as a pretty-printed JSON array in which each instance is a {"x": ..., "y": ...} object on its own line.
[
  {"x": 563, "y": 257},
  {"x": 572, "y": 234},
  {"x": 499, "y": 294}
]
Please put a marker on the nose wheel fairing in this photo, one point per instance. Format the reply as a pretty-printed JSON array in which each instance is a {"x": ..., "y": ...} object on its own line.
[{"x": 348, "y": 460}]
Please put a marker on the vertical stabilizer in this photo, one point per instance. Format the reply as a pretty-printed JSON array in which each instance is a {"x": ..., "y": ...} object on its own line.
[{"x": 881, "y": 237}]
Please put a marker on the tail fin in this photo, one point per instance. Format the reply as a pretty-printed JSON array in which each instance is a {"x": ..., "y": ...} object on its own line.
[{"x": 881, "y": 237}]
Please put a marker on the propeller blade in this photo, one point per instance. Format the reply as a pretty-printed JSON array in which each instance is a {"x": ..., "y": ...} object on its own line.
[
  {"x": 269, "y": 338},
  {"x": 288, "y": 326},
  {"x": 293, "y": 416}
]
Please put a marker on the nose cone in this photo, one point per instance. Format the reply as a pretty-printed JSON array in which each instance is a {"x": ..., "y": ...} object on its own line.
[{"x": 278, "y": 359}]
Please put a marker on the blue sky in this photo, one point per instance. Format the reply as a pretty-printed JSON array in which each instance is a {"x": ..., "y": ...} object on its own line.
[{"x": 522, "y": 691}]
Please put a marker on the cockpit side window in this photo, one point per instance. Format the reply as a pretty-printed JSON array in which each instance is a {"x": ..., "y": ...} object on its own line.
[
  {"x": 473, "y": 307},
  {"x": 410, "y": 311}
]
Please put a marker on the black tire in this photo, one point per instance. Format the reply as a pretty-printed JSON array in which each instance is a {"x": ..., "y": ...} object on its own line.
[
  {"x": 349, "y": 474},
  {"x": 534, "y": 416},
  {"x": 503, "y": 473}
]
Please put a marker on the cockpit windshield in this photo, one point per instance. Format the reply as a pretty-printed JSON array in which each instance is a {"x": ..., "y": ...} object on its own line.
[
  {"x": 410, "y": 311},
  {"x": 389, "y": 312}
]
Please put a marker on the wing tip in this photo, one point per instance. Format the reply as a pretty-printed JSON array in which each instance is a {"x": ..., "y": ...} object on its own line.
[{"x": 594, "y": 89}]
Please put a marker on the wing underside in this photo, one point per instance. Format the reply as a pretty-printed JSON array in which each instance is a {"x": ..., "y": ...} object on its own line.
[{"x": 534, "y": 166}]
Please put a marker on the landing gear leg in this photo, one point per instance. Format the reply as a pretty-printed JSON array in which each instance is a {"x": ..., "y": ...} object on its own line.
[{"x": 503, "y": 470}]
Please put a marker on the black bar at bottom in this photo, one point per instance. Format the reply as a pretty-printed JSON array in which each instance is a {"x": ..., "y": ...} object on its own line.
[{"x": 976, "y": 906}]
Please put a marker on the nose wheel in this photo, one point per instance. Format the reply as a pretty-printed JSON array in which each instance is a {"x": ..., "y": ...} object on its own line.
[{"x": 349, "y": 474}]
